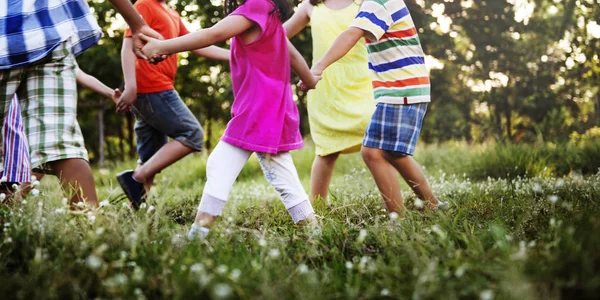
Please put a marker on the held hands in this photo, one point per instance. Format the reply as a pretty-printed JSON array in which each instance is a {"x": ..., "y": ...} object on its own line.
[
  {"x": 317, "y": 75},
  {"x": 139, "y": 42},
  {"x": 151, "y": 50},
  {"x": 126, "y": 100},
  {"x": 116, "y": 95}
]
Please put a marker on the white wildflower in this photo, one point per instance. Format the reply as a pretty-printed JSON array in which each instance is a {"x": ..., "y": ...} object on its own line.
[
  {"x": 99, "y": 231},
  {"x": 229, "y": 219},
  {"x": 418, "y": 203},
  {"x": 435, "y": 228},
  {"x": 262, "y": 242},
  {"x": 104, "y": 203},
  {"x": 274, "y": 253},
  {"x": 80, "y": 204},
  {"x": 150, "y": 209},
  {"x": 33, "y": 178},
  {"x": 553, "y": 198},
  {"x": 302, "y": 269},
  {"x": 486, "y": 295},
  {"x": 362, "y": 235},
  {"x": 2, "y": 196},
  {"x": 385, "y": 292},
  {"x": 235, "y": 274},
  {"x": 394, "y": 216},
  {"x": 349, "y": 265},
  {"x": 94, "y": 262},
  {"x": 65, "y": 201},
  {"x": 222, "y": 290},
  {"x": 35, "y": 183},
  {"x": 59, "y": 211},
  {"x": 460, "y": 271},
  {"x": 222, "y": 269},
  {"x": 537, "y": 188},
  {"x": 197, "y": 268},
  {"x": 23, "y": 201},
  {"x": 125, "y": 204},
  {"x": 143, "y": 205}
]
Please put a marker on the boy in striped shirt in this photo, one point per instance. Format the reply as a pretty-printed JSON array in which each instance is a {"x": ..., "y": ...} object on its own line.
[{"x": 402, "y": 91}]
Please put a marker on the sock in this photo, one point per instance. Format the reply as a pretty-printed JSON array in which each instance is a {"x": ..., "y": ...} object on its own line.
[{"x": 197, "y": 232}]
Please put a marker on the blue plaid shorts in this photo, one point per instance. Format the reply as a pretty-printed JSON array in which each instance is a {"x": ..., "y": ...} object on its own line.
[{"x": 395, "y": 127}]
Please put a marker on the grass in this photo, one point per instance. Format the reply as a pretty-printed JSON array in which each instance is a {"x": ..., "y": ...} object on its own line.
[{"x": 529, "y": 234}]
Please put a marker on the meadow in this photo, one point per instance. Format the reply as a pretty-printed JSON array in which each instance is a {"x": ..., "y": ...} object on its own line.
[{"x": 523, "y": 223}]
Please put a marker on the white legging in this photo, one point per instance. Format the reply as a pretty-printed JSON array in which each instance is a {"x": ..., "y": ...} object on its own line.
[{"x": 225, "y": 164}]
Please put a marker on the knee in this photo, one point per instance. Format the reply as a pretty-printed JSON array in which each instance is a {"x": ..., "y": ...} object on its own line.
[{"x": 371, "y": 155}]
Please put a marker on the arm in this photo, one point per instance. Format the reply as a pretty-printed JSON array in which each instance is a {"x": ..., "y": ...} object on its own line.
[
  {"x": 342, "y": 45},
  {"x": 96, "y": 85},
  {"x": 138, "y": 27},
  {"x": 128, "y": 64},
  {"x": 299, "y": 20},
  {"x": 213, "y": 52},
  {"x": 225, "y": 29},
  {"x": 300, "y": 67}
]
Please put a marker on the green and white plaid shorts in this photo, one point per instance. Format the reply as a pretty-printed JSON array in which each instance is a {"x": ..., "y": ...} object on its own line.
[{"x": 47, "y": 91}]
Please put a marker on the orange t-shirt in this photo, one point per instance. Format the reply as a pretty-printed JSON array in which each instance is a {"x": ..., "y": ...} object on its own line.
[{"x": 166, "y": 21}]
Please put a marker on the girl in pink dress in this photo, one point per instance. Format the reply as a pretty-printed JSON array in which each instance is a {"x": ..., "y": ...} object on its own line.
[{"x": 265, "y": 118}]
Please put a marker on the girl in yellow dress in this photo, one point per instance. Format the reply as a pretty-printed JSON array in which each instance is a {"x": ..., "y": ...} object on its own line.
[{"x": 341, "y": 106}]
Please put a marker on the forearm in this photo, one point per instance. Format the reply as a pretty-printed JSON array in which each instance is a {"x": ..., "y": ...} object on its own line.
[
  {"x": 193, "y": 41},
  {"x": 340, "y": 47},
  {"x": 131, "y": 16},
  {"x": 299, "y": 65},
  {"x": 213, "y": 52},
  {"x": 93, "y": 84},
  {"x": 128, "y": 59}
]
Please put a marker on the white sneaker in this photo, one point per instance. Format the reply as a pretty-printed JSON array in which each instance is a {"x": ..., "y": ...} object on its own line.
[{"x": 197, "y": 232}]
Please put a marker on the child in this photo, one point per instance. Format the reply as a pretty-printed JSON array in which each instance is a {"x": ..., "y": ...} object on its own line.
[
  {"x": 159, "y": 111},
  {"x": 402, "y": 91},
  {"x": 87, "y": 81},
  {"x": 264, "y": 116},
  {"x": 340, "y": 107},
  {"x": 16, "y": 167}
]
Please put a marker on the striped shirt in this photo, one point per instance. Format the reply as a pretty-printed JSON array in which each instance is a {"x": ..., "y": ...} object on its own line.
[
  {"x": 17, "y": 167},
  {"x": 32, "y": 29},
  {"x": 396, "y": 59}
]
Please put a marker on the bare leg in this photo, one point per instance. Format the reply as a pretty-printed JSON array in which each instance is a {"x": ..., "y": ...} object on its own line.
[
  {"x": 76, "y": 178},
  {"x": 205, "y": 219},
  {"x": 320, "y": 176},
  {"x": 412, "y": 172},
  {"x": 166, "y": 156},
  {"x": 385, "y": 177}
]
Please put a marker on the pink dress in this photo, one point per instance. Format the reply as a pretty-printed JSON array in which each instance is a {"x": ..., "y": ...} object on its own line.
[{"x": 264, "y": 115}]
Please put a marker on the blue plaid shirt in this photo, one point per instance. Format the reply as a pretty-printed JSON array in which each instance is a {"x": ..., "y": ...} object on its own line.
[{"x": 31, "y": 29}]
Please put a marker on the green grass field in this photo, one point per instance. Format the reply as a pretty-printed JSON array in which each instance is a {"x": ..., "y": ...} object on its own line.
[{"x": 524, "y": 223}]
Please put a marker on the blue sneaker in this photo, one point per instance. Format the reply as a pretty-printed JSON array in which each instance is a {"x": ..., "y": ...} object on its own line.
[{"x": 134, "y": 190}]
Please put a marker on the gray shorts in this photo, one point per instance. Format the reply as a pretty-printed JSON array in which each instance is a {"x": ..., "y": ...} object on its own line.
[{"x": 160, "y": 116}]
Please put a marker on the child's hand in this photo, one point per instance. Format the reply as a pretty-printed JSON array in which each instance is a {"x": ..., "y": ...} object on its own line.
[
  {"x": 116, "y": 95},
  {"x": 150, "y": 49},
  {"x": 126, "y": 100}
]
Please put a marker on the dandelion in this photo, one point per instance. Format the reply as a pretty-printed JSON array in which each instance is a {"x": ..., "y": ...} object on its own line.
[
  {"x": 35, "y": 183},
  {"x": 394, "y": 216},
  {"x": 99, "y": 231},
  {"x": 302, "y": 269},
  {"x": 418, "y": 203},
  {"x": 553, "y": 199},
  {"x": 460, "y": 271},
  {"x": 104, "y": 203},
  {"x": 35, "y": 192},
  {"x": 80, "y": 204},
  {"x": 229, "y": 219},
  {"x": 143, "y": 205},
  {"x": 486, "y": 295},
  {"x": 385, "y": 292},
  {"x": 94, "y": 262},
  {"x": 274, "y": 253},
  {"x": 222, "y": 290},
  {"x": 125, "y": 204},
  {"x": 537, "y": 188},
  {"x": 349, "y": 265},
  {"x": 23, "y": 201},
  {"x": 150, "y": 209},
  {"x": 361, "y": 236},
  {"x": 91, "y": 217},
  {"x": 2, "y": 196},
  {"x": 59, "y": 211},
  {"x": 65, "y": 201}
]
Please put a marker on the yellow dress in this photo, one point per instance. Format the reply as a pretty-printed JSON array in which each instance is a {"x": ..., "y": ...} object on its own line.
[{"x": 341, "y": 106}]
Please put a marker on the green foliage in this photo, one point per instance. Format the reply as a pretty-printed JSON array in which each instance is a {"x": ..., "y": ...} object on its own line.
[{"x": 527, "y": 238}]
